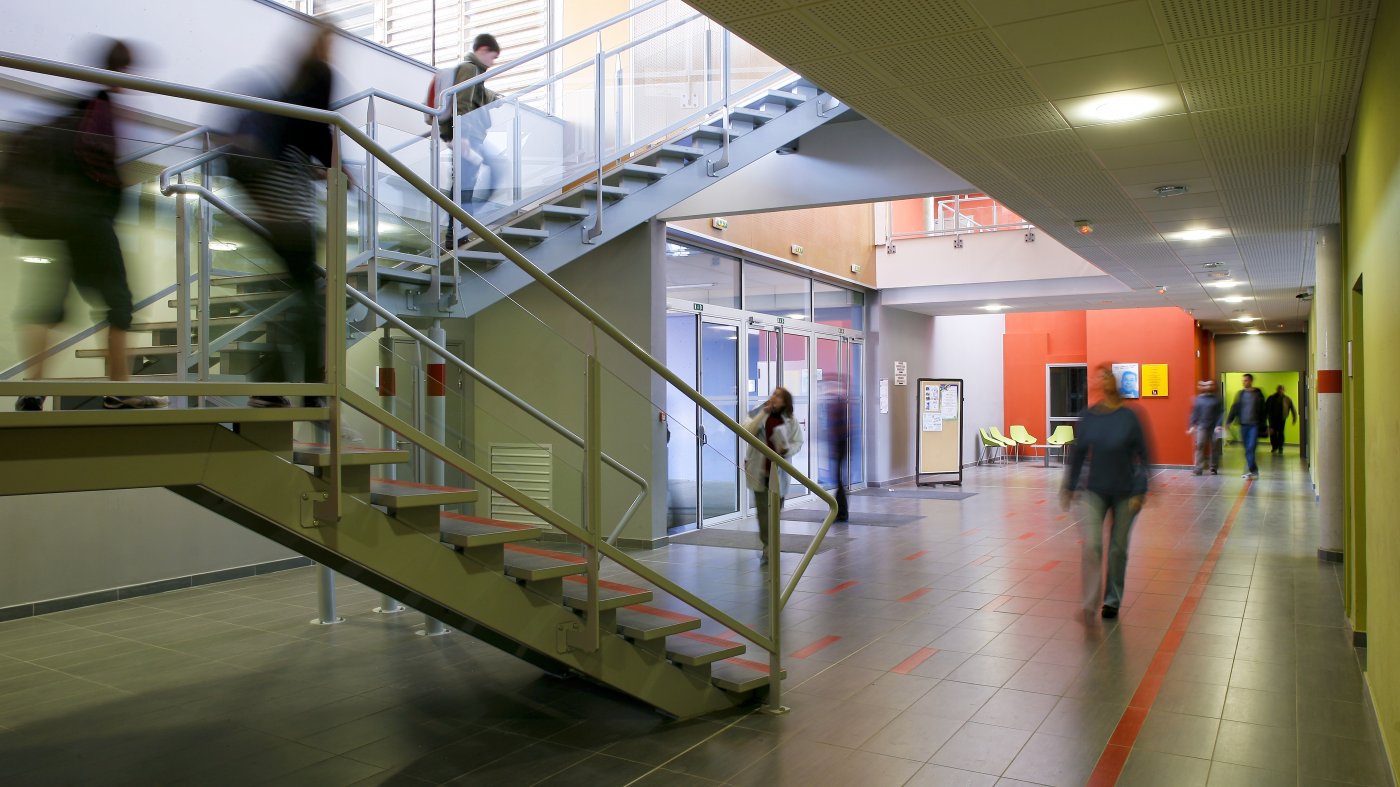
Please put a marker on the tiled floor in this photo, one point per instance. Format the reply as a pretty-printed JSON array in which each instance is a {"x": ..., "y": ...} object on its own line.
[{"x": 945, "y": 651}]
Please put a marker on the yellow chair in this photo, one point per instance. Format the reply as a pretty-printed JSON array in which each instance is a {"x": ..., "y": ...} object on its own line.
[
  {"x": 1022, "y": 437},
  {"x": 1005, "y": 441},
  {"x": 1061, "y": 438},
  {"x": 989, "y": 445}
]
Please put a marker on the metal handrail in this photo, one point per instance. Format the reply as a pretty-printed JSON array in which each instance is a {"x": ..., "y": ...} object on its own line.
[
  {"x": 159, "y": 146},
  {"x": 600, "y": 323}
]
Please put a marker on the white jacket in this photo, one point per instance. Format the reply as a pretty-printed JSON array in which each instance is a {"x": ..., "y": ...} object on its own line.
[{"x": 787, "y": 440}]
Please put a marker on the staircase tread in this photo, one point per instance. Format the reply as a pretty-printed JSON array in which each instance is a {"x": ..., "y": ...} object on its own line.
[
  {"x": 174, "y": 325},
  {"x": 522, "y": 232},
  {"x": 533, "y": 564},
  {"x": 740, "y": 675},
  {"x": 611, "y": 595},
  {"x": 645, "y": 622},
  {"x": 645, "y": 169},
  {"x": 681, "y": 150},
  {"x": 241, "y": 297},
  {"x": 252, "y": 278},
  {"x": 694, "y": 649},
  {"x": 786, "y": 96},
  {"x": 752, "y": 113},
  {"x": 412, "y": 494},
  {"x": 164, "y": 415},
  {"x": 470, "y": 531},
  {"x": 159, "y": 349},
  {"x": 319, "y": 455},
  {"x": 566, "y": 210}
]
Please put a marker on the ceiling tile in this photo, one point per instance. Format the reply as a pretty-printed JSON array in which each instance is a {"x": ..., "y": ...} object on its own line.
[
  {"x": 1276, "y": 47},
  {"x": 1049, "y": 143},
  {"x": 1347, "y": 36},
  {"x": 898, "y": 21},
  {"x": 1000, "y": 12},
  {"x": 788, "y": 37},
  {"x": 945, "y": 58},
  {"x": 1109, "y": 73},
  {"x": 1195, "y": 186},
  {"x": 1258, "y": 87},
  {"x": 1157, "y": 174},
  {"x": 729, "y": 10},
  {"x": 1186, "y": 19},
  {"x": 1191, "y": 199},
  {"x": 979, "y": 92},
  {"x": 844, "y": 77},
  {"x": 1146, "y": 155},
  {"x": 1137, "y": 132},
  {"x": 1184, "y": 214},
  {"x": 1093, "y": 31},
  {"x": 1008, "y": 121}
]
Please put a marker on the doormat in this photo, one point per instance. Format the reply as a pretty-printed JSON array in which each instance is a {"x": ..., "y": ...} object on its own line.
[
  {"x": 871, "y": 518},
  {"x": 925, "y": 494},
  {"x": 747, "y": 539}
]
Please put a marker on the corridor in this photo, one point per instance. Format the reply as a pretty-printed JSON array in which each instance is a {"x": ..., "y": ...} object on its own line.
[{"x": 943, "y": 646}]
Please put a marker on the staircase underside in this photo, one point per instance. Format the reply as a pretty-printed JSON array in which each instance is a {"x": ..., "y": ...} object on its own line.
[{"x": 231, "y": 471}]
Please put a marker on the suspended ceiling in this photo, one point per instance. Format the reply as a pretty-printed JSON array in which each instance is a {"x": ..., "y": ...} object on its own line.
[{"x": 1252, "y": 102}]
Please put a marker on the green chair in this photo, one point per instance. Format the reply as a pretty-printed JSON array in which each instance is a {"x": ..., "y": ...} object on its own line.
[
  {"x": 989, "y": 446},
  {"x": 1006, "y": 442},
  {"x": 1061, "y": 438},
  {"x": 1022, "y": 437}
]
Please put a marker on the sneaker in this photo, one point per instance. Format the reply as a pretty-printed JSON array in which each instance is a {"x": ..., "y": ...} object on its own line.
[
  {"x": 29, "y": 404},
  {"x": 1195, "y": 472},
  {"x": 134, "y": 402},
  {"x": 1109, "y": 612},
  {"x": 269, "y": 401},
  {"x": 1252, "y": 475},
  {"x": 1244, "y": 475},
  {"x": 1214, "y": 471}
]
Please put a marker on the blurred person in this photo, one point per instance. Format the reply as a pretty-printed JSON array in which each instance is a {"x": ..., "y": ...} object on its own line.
[
  {"x": 774, "y": 424},
  {"x": 278, "y": 159},
  {"x": 1110, "y": 438},
  {"x": 77, "y": 156},
  {"x": 1278, "y": 408},
  {"x": 1248, "y": 409},
  {"x": 1206, "y": 412},
  {"x": 479, "y": 167},
  {"x": 838, "y": 441}
]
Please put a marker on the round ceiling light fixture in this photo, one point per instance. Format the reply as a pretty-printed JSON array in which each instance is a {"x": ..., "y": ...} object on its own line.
[
  {"x": 1170, "y": 191},
  {"x": 995, "y": 307},
  {"x": 1201, "y": 234},
  {"x": 1213, "y": 265},
  {"x": 1233, "y": 299},
  {"x": 1224, "y": 285},
  {"x": 1124, "y": 108},
  {"x": 1246, "y": 319}
]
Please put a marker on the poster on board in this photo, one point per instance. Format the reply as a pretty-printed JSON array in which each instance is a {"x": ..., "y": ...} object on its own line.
[
  {"x": 949, "y": 400},
  {"x": 1129, "y": 380},
  {"x": 1154, "y": 379}
]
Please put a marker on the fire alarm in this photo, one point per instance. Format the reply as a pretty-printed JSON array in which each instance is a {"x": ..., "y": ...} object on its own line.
[{"x": 1084, "y": 226}]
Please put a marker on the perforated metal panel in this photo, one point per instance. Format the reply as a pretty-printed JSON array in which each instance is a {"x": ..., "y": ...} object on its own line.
[
  {"x": 944, "y": 58},
  {"x": 1260, "y": 49},
  {"x": 844, "y": 78},
  {"x": 1049, "y": 143},
  {"x": 787, "y": 36},
  {"x": 974, "y": 93},
  {"x": 897, "y": 21},
  {"x": 894, "y": 106},
  {"x": 1260, "y": 87},
  {"x": 1186, "y": 19},
  {"x": 1009, "y": 121},
  {"x": 1347, "y": 36}
]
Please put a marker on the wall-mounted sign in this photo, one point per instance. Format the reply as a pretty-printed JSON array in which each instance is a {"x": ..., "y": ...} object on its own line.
[
  {"x": 884, "y": 395},
  {"x": 1154, "y": 379},
  {"x": 1129, "y": 381}
]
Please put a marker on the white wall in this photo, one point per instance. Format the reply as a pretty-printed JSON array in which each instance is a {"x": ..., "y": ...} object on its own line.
[
  {"x": 1267, "y": 352},
  {"x": 969, "y": 347},
  {"x": 894, "y": 335},
  {"x": 984, "y": 257}
]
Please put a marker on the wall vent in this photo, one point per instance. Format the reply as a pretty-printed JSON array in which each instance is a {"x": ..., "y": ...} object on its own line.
[{"x": 528, "y": 467}]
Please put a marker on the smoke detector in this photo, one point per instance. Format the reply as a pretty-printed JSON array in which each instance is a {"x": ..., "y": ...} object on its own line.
[{"x": 1170, "y": 191}]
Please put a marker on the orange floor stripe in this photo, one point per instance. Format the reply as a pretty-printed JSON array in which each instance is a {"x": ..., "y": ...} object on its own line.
[
  {"x": 843, "y": 586},
  {"x": 1115, "y": 754},
  {"x": 916, "y": 594},
  {"x": 916, "y": 555},
  {"x": 920, "y": 656},
  {"x": 824, "y": 642}
]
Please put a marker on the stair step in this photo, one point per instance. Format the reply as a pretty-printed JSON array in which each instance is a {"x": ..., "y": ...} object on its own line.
[
  {"x": 174, "y": 325},
  {"x": 254, "y": 278},
  {"x": 752, "y": 115},
  {"x": 694, "y": 649},
  {"x": 645, "y": 622},
  {"x": 533, "y": 564},
  {"x": 317, "y": 455},
  {"x": 715, "y": 132},
  {"x": 161, "y": 349},
  {"x": 565, "y": 212},
  {"x": 481, "y": 257},
  {"x": 783, "y": 97},
  {"x": 522, "y": 233},
  {"x": 611, "y": 595},
  {"x": 394, "y": 494},
  {"x": 609, "y": 192},
  {"x": 644, "y": 170},
  {"x": 680, "y": 151},
  {"x": 396, "y": 274},
  {"x": 240, "y": 298},
  {"x": 740, "y": 675},
  {"x": 468, "y": 532}
]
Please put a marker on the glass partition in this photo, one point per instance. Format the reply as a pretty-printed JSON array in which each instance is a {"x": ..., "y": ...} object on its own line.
[
  {"x": 773, "y": 292},
  {"x": 701, "y": 276}
]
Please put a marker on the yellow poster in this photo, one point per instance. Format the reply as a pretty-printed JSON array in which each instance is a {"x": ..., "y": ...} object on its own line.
[{"x": 1154, "y": 379}]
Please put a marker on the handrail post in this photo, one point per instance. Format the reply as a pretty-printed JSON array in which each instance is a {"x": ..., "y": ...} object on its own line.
[
  {"x": 182, "y": 291},
  {"x": 590, "y": 639},
  {"x": 387, "y": 383},
  {"x": 773, "y": 703},
  {"x": 599, "y": 118},
  {"x": 206, "y": 264},
  {"x": 711, "y": 166},
  {"x": 369, "y": 223},
  {"x": 517, "y": 167},
  {"x": 333, "y": 353}
]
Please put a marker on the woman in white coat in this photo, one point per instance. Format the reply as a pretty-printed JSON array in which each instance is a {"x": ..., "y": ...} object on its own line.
[{"x": 774, "y": 424}]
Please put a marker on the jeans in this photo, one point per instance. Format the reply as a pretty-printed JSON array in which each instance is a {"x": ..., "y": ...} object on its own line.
[
  {"x": 760, "y": 504},
  {"x": 1249, "y": 433},
  {"x": 478, "y": 186},
  {"x": 1206, "y": 454},
  {"x": 1276, "y": 436},
  {"x": 1095, "y": 591}
]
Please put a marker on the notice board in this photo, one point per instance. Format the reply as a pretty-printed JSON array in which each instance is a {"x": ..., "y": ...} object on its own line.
[{"x": 938, "y": 429}]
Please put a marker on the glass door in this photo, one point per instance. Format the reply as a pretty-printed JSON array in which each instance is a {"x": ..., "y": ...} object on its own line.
[
  {"x": 856, "y": 352},
  {"x": 682, "y": 436},
  {"x": 837, "y": 415},
  {"x": 1066, "y": 395},
  {"x": 796, "y": 377},
  {"x": 719, "y": 447}
]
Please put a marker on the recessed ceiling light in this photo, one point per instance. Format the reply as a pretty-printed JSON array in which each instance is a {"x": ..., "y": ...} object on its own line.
[
  {"x": 1225, "y": 285},
  {"x": 36, "y": 260},
  {"x": 1233, "y": 299},
  {"x": 1124, "y": 107},
  {"x": 1246, "y": 319},
  {"x": 1213, "y": 265},
  {"x": 995, "y": 307},
  {"x": 1170, "y": 191},
  {"x": 1202, "y": 234},
  {"x": 222, "y": 245},
  {"x": 1253, "y": 332}
]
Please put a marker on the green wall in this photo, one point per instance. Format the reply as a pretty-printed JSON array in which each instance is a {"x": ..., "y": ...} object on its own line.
[
  {"x": 1371, "y": 216},
  {"x": 1268, "y": 382}
]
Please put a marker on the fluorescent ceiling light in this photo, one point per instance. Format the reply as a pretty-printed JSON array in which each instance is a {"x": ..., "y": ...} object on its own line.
[
  {"x": 222, "y": 245},
  {"x": 1124, "y": 107},
  {"x": 1224, "y": 285},
  {"x": 704, "y": 285},
  {"x": 994, "y": 307},
  {"x": 797, "y": 316},
  {"x": 1233, "y": 299},
  {"x": 1246, "y": 319},
  {"x": 36, "y": 260},
  {"x": 1253, "y": 332},
  {"x": 1196, "y": 234}
]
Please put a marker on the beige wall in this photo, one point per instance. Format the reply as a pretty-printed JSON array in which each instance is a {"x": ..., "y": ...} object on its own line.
[{"x": 833, "y": 238}]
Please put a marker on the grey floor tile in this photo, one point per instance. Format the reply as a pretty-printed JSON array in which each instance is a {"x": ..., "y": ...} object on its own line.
[
  {"x": 912, "y": 736},
  {"x": 1152, "y": 768},
  {"x": 1175, "y": 733},
  {"x": 939, "y": 776},
  {"x": 1021, "y": 710},
  {"x": 1225, "y": 774},
  {"x": 1258, "y": 746},
  {"x": 1200, "y": 669},
  {"x": 722, "y": 757},
  {"x": 1086, "y": 719},
  {"x": 809, "y": 762},
  {"x": 898, "y": 691},
  {"x": 981, "y": 748},
  {"x": 600, "y": 769},
  {"x": 1343, "y": 760},
  {"x": 1054, "y": 760},
  {"x": 1195, "y": 699},
  {"x": 1043, "y": 677},
  {"x": 986, "y": 670},
  {"x": 855, "y": 723},
  {"x": 952, "y": 700}
]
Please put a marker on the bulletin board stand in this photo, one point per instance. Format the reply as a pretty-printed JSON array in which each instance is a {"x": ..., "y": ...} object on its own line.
[{"x": 938, "y": 430}]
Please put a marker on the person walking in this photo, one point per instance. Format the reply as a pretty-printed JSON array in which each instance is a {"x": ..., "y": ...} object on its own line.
[
  {"x": 282, "y": 156},
  {"x": 1278, "y": 408},
  {"x": 775, "y": 425},
  {"x": 89, "y": 190},
  {"x": 1206, "y": 413},
  {"x": 1248, "y": 409},
  {"x": 1110, "y": 438},
  {"x": 838, "y": 441},
  {"x": 478, "y": 168}
]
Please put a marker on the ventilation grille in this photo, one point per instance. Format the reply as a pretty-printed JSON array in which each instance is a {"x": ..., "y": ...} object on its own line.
[{"x": 529, "y": 468}]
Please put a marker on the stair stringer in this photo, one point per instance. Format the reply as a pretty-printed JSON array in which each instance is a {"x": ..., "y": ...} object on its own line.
[{"x": 217, "y": 468}]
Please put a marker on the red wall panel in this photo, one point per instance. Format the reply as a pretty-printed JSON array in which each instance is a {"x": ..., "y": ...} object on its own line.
[
  {"x": 1163, "y": 335},
  {"x": 1023, "y": 373}
]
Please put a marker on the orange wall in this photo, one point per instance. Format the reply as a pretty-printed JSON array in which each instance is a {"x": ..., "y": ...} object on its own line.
[
  {"x": 1165, "y": 335},
  {"x": 833, "y": 238}
]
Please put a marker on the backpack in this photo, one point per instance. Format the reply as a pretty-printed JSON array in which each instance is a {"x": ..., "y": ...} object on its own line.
[
  {"x": 444, "y": 78},
  {"x": 40, "y": 174}
]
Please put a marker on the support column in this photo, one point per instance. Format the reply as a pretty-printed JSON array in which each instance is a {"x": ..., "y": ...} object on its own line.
[
  {"x": 388, "y": 387},
  {"x": 1327, "y": 383},
  {"x": 434, "y": 471}
]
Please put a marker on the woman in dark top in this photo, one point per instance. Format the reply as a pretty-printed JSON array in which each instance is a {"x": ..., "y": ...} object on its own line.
[{"x": 1111, "y": 438}]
